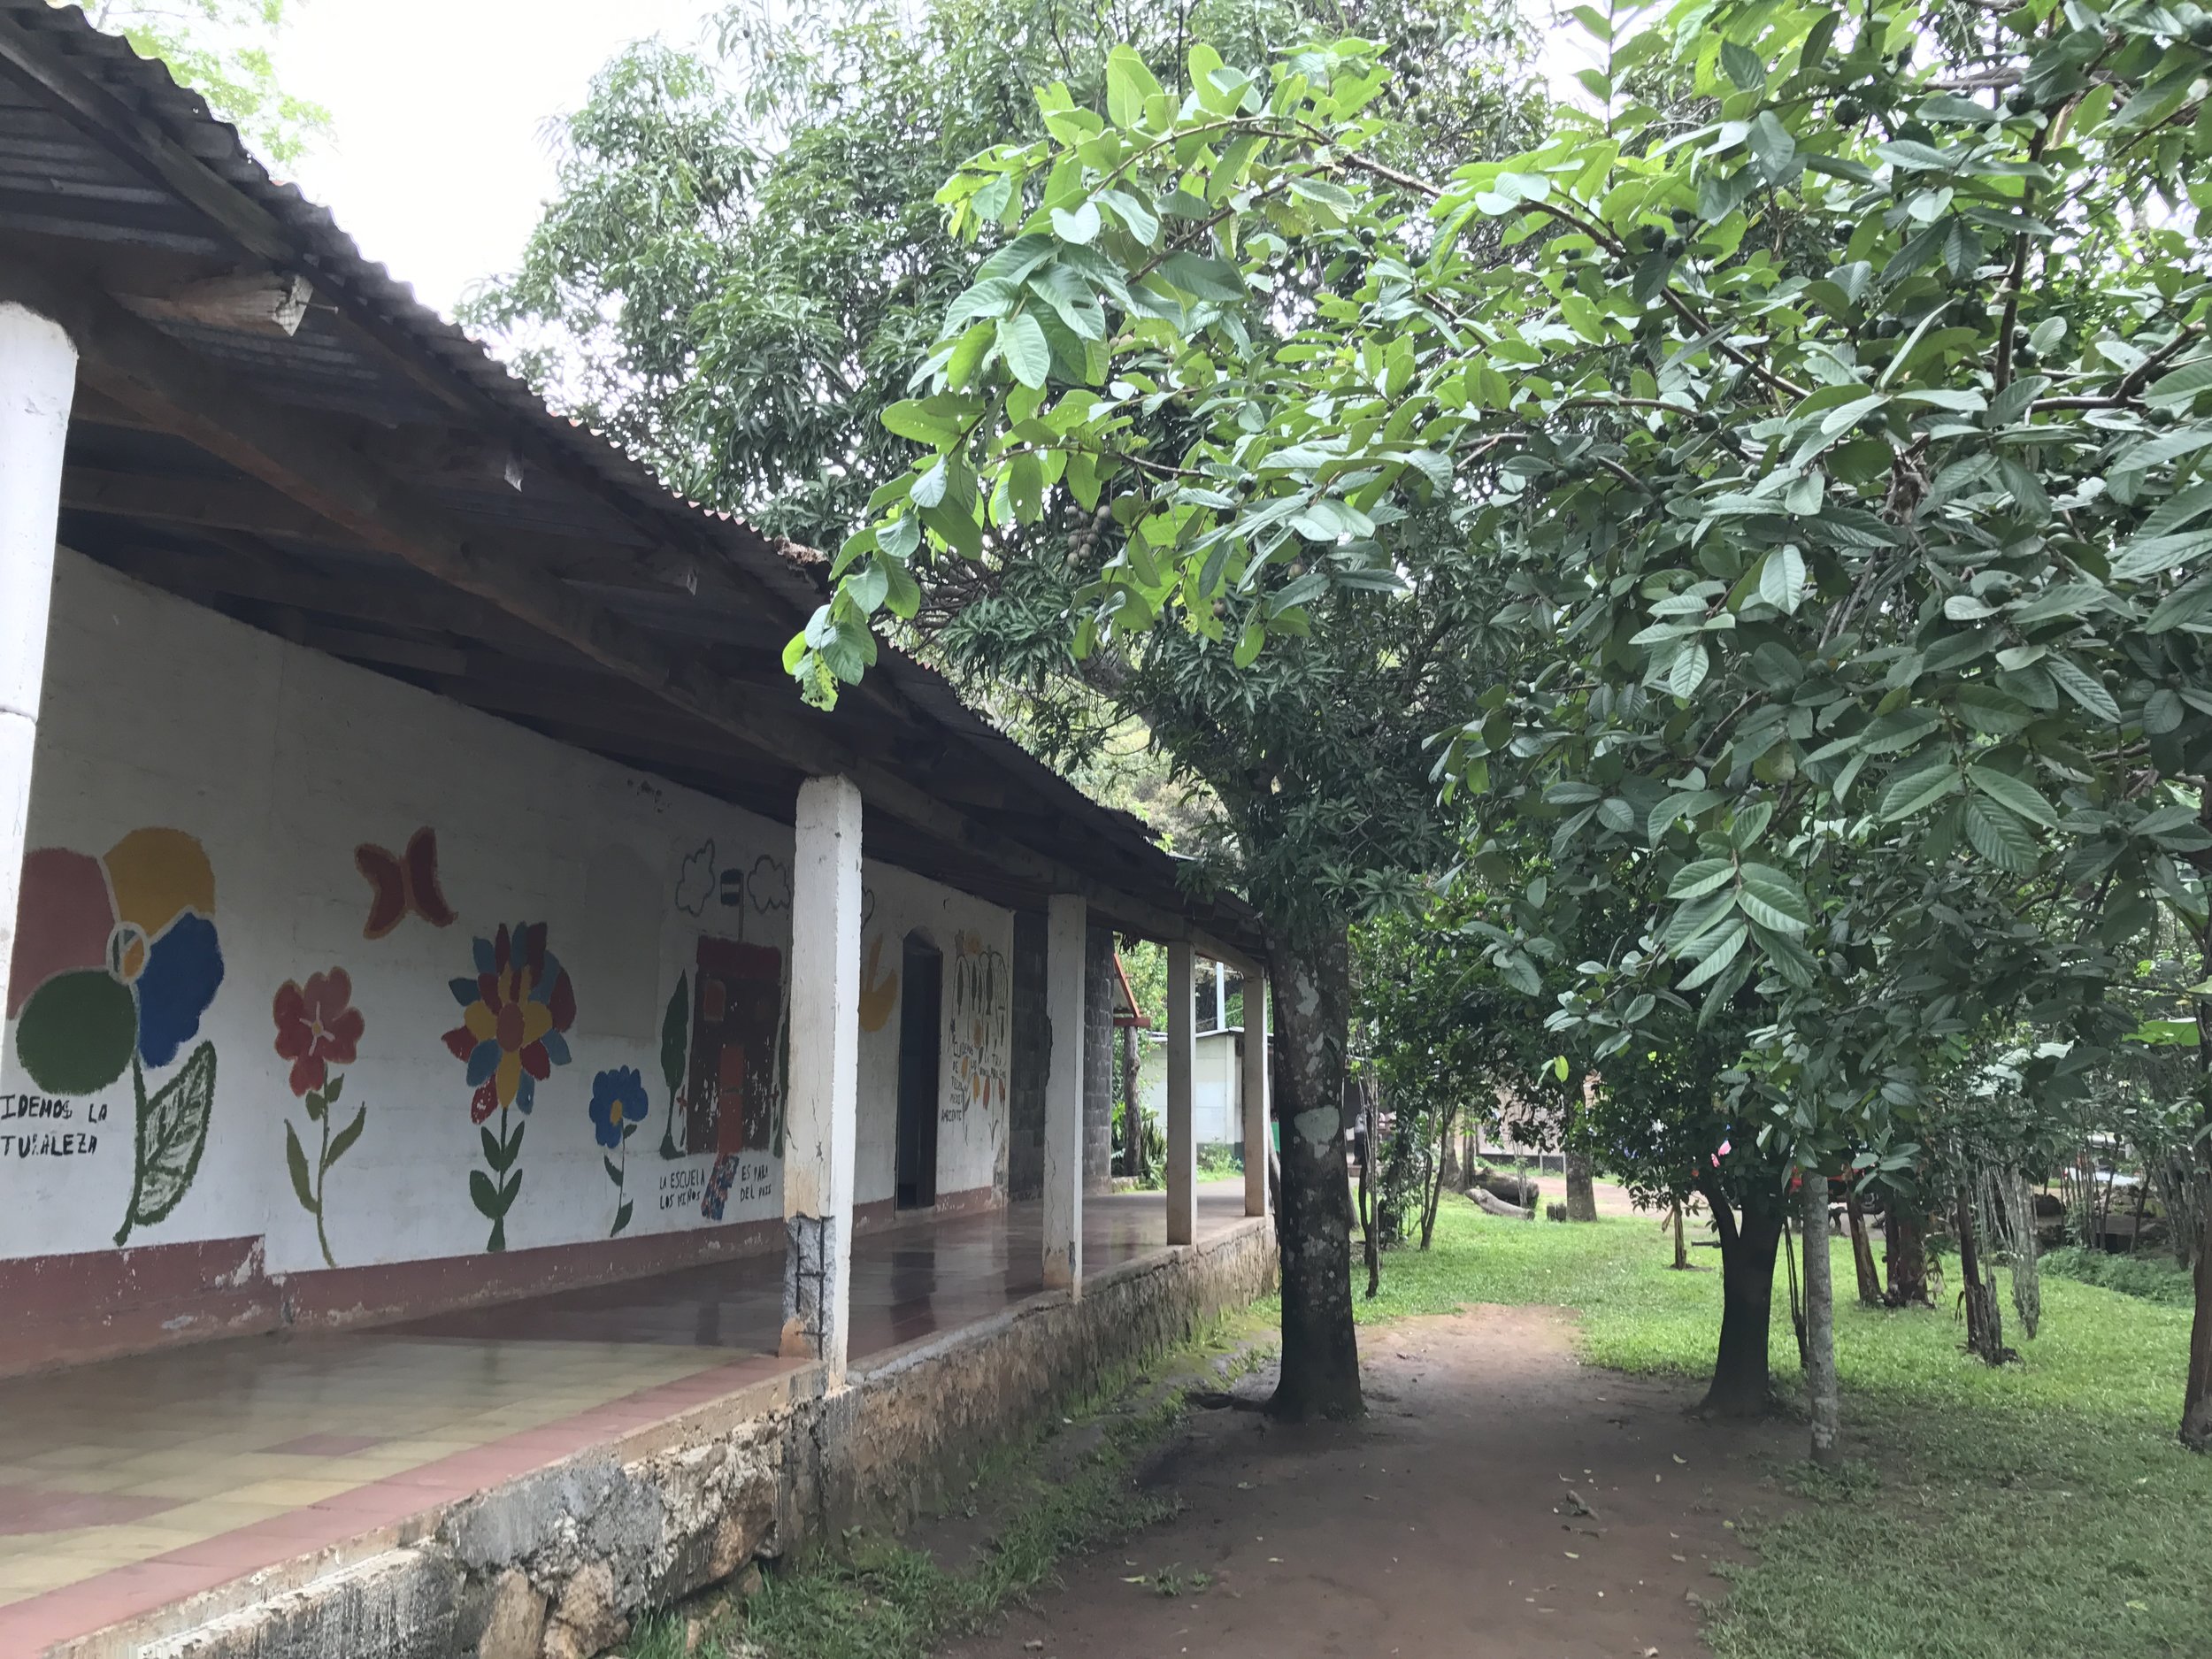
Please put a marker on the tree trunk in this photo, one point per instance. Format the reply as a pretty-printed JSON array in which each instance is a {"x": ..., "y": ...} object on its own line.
[
  {"x": 1320, "y": 1363},
  {"x": 1985, "y": 1320},
  {"x": 1862, "y": 1254},
  {"x": 1368, "y": 1242},
  {"x": 1905, "y": 1245},
  {"x": 1741, "y": 1385},
  {"x": 2196, "y": 1402},
  {"x": 1820, "y": 1324},
  {"x": 1437, "y": 1176},
  {"x": 1582, "y": 1199}
]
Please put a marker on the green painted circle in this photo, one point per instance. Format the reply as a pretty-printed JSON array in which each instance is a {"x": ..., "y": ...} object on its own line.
[{"x": 76, "y": 1033}]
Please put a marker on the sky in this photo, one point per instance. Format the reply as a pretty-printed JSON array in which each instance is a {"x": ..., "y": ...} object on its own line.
[{"x": 437, "y": 164}]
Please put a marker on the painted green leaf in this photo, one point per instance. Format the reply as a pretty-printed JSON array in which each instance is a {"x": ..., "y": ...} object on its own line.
[
  {"x": 495, "y": 1151},
  {"x": 676, "y": 1035},
  {"x": 171, "y": 1135},
  {"x": 77, "y": 1032},
  {"x": 613, "y": 1174},
  {"x": 296, "y": 1160},
  {"x": 341, "y": 1142},
  {"x": 485, "y": 1195},
  {"x": 621, "y": 1218}
]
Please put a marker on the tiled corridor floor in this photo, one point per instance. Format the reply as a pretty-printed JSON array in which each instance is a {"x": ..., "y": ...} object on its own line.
[{"x": 131, "y": 1483}]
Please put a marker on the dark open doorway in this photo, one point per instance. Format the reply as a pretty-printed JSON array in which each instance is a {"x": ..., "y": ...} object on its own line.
[{"x": 921, "y": 1023}]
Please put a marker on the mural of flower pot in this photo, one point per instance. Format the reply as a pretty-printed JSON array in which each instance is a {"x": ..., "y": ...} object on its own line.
[
  {"x": 618, "y": 1106},
  {"x": 316, "y": 1027},
  {"x": 515, "y": 1013},
  {"x": 116, "y": 960}
]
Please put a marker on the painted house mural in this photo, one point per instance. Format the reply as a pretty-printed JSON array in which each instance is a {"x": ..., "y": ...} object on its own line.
[{"x": 342, "y": 975}]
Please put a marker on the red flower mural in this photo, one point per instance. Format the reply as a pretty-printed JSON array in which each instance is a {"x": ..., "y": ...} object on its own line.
[{"x": 317, "y": 1027}]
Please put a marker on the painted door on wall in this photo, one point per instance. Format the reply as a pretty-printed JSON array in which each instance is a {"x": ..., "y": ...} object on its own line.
[
  {"x": 921, "y": 1023},
  {"x": 737, "y": 1014}
]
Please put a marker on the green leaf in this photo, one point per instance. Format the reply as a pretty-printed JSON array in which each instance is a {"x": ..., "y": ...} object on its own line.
[
  {"x": 296, "y": 1160},
  {"x": 1207, "y": 278},
  {"x": 1916, "y": 791},
  {"x": 1782, "y": 578},
  {"x": 2015, "y": 796},
  {"x": 621, "y": 1218},
  {"x": 494, "y": 1154},
  {"x": 1772, "y": 900},
  {"x": 1700, "y": 878},
  {"x": 1079, "y": 226},
  {"x": 910, "y": 420},
  {"x": 2000, "y": 837},
  {"x": 1128, "y": 84},
  {"x": 1743, "y": 65},
  {"x": 2084, "y": 689},
  {"x": 1249, "y": 645},
  {"x": 1021, "y": 341},
  {"x": 334, "y": 1089},
  {"x": 1726, "y": 944},
  {"x": 1688, "y": 670},
  {"x": 1774, "y": 149}
]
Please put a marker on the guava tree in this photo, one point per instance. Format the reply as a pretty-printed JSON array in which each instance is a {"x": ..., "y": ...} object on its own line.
[{"x": 1838, "y": 419}]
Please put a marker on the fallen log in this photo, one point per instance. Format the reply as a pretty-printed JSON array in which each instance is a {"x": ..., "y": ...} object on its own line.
[{"x": 1495, "y": 1206}]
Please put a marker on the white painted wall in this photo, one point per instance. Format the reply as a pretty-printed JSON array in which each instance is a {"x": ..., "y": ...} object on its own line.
[
  {"x": 1216, "y": 1092},
  {"x": 279, "y": 762}
]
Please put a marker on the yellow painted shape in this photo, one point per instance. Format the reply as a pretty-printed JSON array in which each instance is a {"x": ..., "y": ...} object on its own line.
[
  {"x": 878, "y": 997},
  {"x": 158, "y": 874}
]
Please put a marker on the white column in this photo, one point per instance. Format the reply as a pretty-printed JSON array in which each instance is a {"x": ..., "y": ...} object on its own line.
[
  {"x": 1066, "y": 920},
  {"x": 1182, "y": 1056},
  {"x": 824, "y": 1102},
  {"x": 38, "y": 380},
  {"x": 1255, "y": 1093},
  {"x": 1221, "y": 998}
]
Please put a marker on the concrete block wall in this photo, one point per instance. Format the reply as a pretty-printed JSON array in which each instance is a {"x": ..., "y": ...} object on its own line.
[{"x": 1098, "y": 1060}]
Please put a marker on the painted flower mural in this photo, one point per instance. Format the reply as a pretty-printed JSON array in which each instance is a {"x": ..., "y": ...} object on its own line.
[
  {"x": 618, "y": 1105},
  {"x": 317, "y": 1026},
  {"x": 116, "y": 960},
  {"x": 115, "y": 956},
  {"x": 515, "y": 1014}
]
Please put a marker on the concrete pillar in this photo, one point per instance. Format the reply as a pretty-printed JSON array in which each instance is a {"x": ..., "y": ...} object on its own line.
[
  {"x": 1182, "y": 1058},
  {"x": 1066, "y": 918},
  {"x": 823, "y": 1105},
  {"x": 38, "y": 381},
  {"x": 1255, "y": 1136},
  {"x": 1221, "y": 998}
]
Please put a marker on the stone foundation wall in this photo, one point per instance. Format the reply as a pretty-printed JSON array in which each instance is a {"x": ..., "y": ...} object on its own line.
[{"x": 557, "y": 1564}]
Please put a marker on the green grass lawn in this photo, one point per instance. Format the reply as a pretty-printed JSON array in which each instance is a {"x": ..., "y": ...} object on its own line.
[{"x": 2043, "y": 1510}]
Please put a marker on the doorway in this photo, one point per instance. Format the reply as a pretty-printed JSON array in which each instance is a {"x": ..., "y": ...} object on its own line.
[{"x": 921, "y": 1025}]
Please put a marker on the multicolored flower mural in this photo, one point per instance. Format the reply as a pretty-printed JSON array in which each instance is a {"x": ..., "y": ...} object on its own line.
[
  {"x": 618, "y": 1105},
  {"x": 316, "y": 1025},
  {"x": 515, "y": 1014},
  {"x": 116, "y": 961}
]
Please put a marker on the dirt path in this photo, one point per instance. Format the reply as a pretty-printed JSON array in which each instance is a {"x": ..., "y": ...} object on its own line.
[{"x": 1443, "y": 1525}]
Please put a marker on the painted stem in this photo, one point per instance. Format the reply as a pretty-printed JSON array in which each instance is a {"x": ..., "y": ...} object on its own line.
[
  {"x": 138, "y": 1152},
  {"x": 322, "y": 1170}
]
